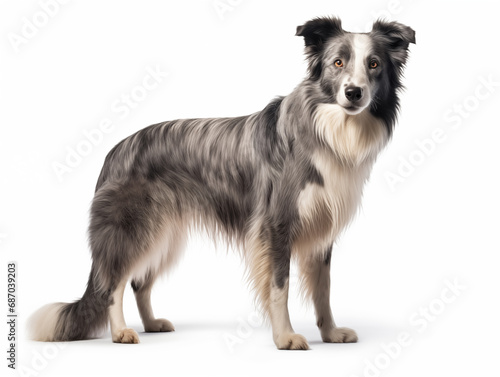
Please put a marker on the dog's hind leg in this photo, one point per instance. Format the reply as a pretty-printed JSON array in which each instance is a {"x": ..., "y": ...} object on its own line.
[
  {"x": 142, "y": 291},
  {"x": 126, "y": 221},
  {"x": 163, "y": 256},
  {"x": 315, "y": 270},
  {"x": 119, "y": 331}
]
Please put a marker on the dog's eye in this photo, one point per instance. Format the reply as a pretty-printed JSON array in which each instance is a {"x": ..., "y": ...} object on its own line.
[
  {"x": 373, "y": 64},
  {"x": 339, "y": 63}
]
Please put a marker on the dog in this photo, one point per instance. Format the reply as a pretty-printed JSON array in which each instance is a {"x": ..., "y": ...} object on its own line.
[{"x": 281, "y": 184}]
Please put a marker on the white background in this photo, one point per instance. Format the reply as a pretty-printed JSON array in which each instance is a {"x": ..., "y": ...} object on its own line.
[{"x": 440, "y": 224}]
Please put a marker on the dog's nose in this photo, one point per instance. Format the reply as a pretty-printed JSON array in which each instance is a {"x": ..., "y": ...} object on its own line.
[{"x": 353, "y": 93}]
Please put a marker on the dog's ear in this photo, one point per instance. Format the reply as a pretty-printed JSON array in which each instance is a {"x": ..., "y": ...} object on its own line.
[
  {"x": 399, "y": 34},
  {"x": 316, "y": 32},
  {"x": 397, "y": 37}
]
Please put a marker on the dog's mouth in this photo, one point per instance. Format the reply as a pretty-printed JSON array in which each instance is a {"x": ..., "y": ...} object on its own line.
[{"x": 352, "y": 109}]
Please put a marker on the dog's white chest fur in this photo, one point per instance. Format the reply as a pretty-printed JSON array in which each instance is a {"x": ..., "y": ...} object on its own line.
[
  {"x": 353, "y": 142},
  {"x": 354, "y": 139}
]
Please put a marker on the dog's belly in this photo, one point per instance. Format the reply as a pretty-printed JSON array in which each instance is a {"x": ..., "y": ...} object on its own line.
[{"x": 325, "y": 210}]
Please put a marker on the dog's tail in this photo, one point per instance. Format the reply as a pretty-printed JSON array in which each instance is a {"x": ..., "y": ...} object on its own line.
[{"x": 82, "y": 319}]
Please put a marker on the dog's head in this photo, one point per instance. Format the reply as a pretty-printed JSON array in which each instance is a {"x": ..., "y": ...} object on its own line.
[{"x": 357, "y": 70}]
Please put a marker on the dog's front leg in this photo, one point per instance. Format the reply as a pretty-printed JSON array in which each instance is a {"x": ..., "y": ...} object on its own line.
[
  {"x": 316, "y": 277},
  {"x": 284, "y": 336}
]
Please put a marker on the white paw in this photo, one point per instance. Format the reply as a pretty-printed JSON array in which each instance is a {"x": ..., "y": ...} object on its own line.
[
  {"x": 292, "y": 341},
  {"x": 159, "y": 325},
  {"x": 128, "y": 336},
  {"x": 340, "y": 335}
]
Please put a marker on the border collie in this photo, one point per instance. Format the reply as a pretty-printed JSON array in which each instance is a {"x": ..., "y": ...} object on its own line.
[{"x": 280, "y": 184}]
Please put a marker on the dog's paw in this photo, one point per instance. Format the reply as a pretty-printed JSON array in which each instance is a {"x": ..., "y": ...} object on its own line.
[
  {"x": 159, "y": 325},
  {"x": 340, "y": 335},
  {"x": 292, "y": 341},
  {"x": 127, "y": 336}
]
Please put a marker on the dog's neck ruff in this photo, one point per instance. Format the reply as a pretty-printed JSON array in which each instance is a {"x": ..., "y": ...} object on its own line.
[
  {"x": 354, "y": 139},
  {"x": 350, "y": 146}
]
